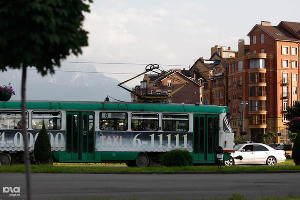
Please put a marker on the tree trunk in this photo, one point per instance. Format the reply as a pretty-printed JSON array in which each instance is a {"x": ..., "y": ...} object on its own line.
[{"x": 25, "y": 136}]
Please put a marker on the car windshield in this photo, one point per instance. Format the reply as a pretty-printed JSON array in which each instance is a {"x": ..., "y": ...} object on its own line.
[{"x": 237, "y": 147}]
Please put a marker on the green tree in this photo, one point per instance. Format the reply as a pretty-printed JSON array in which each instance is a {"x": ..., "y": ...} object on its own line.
[
  {"x": 42, "y": 147},
  {"x": 269, "y": 137},
  {"x": 39, "y": 34},
  {"x": 293, "y": 115},
  {"x": 296, "y": 149}
]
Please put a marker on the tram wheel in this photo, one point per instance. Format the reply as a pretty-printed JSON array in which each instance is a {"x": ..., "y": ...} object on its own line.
[
  {"x": 4, "y": 159},
  {"x": 142, "y": 160}
]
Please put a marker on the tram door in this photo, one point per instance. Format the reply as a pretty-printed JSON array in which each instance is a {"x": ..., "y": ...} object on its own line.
[
  {"x": 80, "y": 136},
  {"x": 205, "y": 137}
]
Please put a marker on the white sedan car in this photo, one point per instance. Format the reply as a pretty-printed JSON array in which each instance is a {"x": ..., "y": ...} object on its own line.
[{"x": 255, "y": 153}]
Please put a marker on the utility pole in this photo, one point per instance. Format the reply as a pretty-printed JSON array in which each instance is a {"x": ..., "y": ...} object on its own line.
[{"x": 243, "y": 104}]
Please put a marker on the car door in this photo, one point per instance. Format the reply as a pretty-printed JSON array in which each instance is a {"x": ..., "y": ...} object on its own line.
[
  {"x": 247, "y": 154},
  {"x": 261, "y": 153}
]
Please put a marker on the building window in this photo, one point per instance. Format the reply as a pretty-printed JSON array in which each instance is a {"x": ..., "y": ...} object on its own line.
[
  {"x": 285, "y": 50},
  {"x": 285, "y": 118},
  {"x": 169, "y": 84},
  {"x": 256, "y": 91},
  {"x": 240, "y": 65},
  {"x": 221, "y": 94},
  {"x": 262, "y": 51},
  {"x": 295, "y": 77},
  {"x": 294, "y": 102},
  {"x": 256, "y": 77},
  {"x": 262, "y": 39},
  {"x": 254, "y": 39},
  {"x": 285, "y": 91},
  {"x": 294, "y": 64},
  {"x": 257, "y": 105},
  {"x": 285, "y": 105},
  {"x": 294, "y": 90},
  {"x": 257, "y": 63},
  {"x": 285, "y": 78},
  {"x": 285, "y": 63},
  {"x": 254, "y": 51},
  {"x": 257, "y": 119},
  {"x": 294, "y": 51}
]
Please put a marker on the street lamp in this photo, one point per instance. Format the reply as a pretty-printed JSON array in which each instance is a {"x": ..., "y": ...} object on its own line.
[{"x": 243, "y": 104}]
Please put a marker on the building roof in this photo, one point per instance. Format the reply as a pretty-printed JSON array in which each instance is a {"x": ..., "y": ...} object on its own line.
[
  {"x": 294, "y": 27},
  {"x": 279, "y": 32},
  {"x": 170, "y": 72}
]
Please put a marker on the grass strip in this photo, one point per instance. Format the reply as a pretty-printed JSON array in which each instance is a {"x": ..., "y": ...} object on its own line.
[{"x": 187, "y": 169}]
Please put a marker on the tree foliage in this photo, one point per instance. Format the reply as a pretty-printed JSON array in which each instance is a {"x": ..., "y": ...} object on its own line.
[
  {"x": 39, "y": 34},
  {"x": 269, "y": 137},
  {"x": 42, "y": 147},
  {"x": 177, "y": 158},
  {"x": 293, "y": 115},
  {"x": 296, "y": 149}
]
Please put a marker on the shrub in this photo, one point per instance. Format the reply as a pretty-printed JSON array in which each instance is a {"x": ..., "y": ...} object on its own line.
[
  {"x": 42, "y": 147},
  {"x": 287, "y": 147},
  {"x": 177, "y": 158},
  {"x": 296, "y": 150},
  {"x": 239, "y": 140}
]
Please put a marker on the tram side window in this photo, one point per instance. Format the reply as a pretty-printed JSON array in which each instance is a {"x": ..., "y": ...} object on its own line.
[
  {"x": 144, "y": 121},
  {"x": 113, "y": 121},
  {"x": 11, "y": 120},
  {"x": 175, "y": 122},
  {"x": 52, "y": 120}
]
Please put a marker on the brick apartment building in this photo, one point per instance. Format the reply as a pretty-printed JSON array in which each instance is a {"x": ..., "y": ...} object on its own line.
[
  {"x": 263, "y": 80},
  {"x": 214, "y": 76},
  {"x": 173, "y": 86},
  {"x": 257, "y": 83}
]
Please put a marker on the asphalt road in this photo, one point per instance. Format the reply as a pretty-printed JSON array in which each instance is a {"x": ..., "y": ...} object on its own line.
[{"x": 153, "y": 186}]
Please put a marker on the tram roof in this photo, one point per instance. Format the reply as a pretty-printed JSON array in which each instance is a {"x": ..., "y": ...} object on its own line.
[{"x": 123, "y": 106}]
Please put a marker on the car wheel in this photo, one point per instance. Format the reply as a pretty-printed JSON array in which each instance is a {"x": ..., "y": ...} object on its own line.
[
  {"x": 271, "y": 161},
  {"x": 229, "y": 162}
]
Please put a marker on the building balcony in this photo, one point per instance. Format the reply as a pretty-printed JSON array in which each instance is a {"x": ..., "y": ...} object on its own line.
[
  {"x": 258, "y": 126},
  {"x": 256, "y": 112},
  {"x": 257, "y": 84},
  {"x": 257, "y": 56},
  {"x": 258, "y": 98},
  {"x": 261, "y": 70}
]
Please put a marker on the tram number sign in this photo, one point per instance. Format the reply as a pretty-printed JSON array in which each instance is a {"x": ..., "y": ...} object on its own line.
[
  {"x": 9, "y": 139},
  {"x": 147, "y": 141}
]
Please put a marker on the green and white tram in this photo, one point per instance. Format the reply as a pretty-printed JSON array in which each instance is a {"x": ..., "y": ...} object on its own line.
[{"x": 137, "y": 134}]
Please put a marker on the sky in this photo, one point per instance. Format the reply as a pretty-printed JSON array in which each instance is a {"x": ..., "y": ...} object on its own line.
[{"x": 126, "y": 35}]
